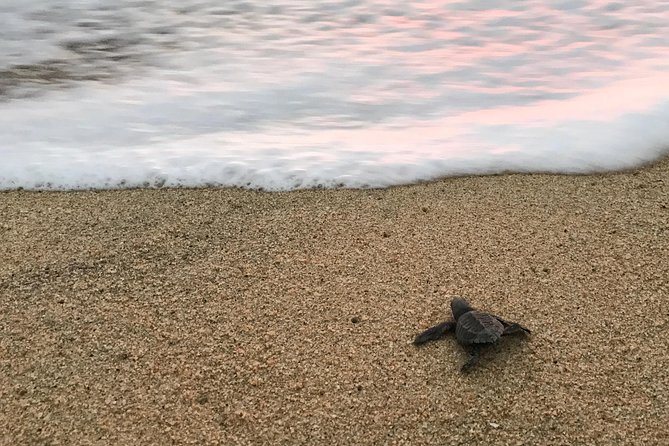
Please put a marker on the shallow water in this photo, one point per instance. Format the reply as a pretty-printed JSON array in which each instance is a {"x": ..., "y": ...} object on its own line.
[{"x": 289, "y": 94}]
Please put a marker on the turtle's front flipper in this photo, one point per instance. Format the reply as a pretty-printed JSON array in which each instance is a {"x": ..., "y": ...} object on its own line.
[
  {"x": 474, "y": 355},
  {"x": 512, "y": 327},
  {"x": 515, "y": 328},
  {"x": 435, "y": 332}
]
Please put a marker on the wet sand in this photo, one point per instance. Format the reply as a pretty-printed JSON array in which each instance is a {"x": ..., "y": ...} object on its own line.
[{"x": 237, "y": 317}]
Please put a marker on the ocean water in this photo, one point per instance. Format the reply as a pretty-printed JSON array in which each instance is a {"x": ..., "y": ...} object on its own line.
[{"x": 289, "y": 94}]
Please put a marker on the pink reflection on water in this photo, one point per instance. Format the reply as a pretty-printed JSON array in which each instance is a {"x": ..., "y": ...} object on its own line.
[
  {"x": 635, "y": 94},
  {"x": 451, "y": 137}
]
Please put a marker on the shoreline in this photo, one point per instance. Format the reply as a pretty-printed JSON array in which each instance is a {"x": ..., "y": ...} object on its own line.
[
  {"x": 244, "y": 317},
  {"x": 661, "y": 159}
]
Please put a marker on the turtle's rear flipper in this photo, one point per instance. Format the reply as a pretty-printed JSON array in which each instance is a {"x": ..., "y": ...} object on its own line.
[
  {"x": 434, "y": 333},
  {"x": 474, "y": 355},
  {"x": 515, "y": 328}
]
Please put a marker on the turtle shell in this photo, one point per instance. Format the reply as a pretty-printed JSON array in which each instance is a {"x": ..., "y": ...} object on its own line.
[{"x": 475, "y": 327}]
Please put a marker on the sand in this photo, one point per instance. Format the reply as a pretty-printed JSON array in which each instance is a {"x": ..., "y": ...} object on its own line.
[{"x": 237, "y": 317}]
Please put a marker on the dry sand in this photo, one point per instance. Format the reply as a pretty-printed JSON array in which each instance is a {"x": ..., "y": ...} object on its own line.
[{"x": 236, "y": 317}]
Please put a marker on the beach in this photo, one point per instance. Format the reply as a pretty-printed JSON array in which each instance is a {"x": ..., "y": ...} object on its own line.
[{"x": 226, "y": 316}]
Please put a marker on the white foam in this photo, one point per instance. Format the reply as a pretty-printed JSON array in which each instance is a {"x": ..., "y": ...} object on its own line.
[{"x": 362, "y": 94}]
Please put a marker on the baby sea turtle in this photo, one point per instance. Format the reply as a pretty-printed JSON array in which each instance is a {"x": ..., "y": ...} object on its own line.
[{"x": 473, "y": 330}]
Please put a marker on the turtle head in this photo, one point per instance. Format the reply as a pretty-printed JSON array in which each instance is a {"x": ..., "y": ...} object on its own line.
[{"x": 459, "y": 306}]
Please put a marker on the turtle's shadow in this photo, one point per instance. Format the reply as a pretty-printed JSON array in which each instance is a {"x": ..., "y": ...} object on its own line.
[{"x": 501, "y": 354}]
